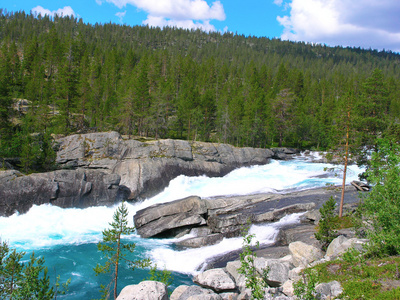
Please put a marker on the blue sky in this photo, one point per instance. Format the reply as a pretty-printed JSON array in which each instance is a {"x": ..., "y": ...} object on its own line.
[{"x": 360, "y": 23}]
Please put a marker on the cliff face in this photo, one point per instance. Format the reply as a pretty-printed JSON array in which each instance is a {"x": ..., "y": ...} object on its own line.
[{"x": 103, "y": 168}]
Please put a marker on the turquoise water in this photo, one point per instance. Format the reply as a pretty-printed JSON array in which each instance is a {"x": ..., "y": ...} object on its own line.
[
  {"x": 68, "y": 238},
  {"x": 77, "y": 262}
]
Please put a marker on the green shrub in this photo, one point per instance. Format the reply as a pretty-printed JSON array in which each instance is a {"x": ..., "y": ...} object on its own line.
[
  {"x": 163, "y": 276},
  {"x": 381, "y": 207},
  {"x": 255, "y": 281},
  {"x": 26, "y": 280},
  {"x": 326, "y": 232},
  {"x": 304, "y": 289}
]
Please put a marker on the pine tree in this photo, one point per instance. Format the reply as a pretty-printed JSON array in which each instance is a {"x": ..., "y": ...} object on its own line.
[{"x": 115, "y": 251}]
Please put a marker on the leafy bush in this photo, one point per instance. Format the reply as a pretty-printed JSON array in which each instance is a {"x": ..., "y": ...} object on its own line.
[
  {"x": 304, "y": 289},
  {"x": 255, "y": 281}
]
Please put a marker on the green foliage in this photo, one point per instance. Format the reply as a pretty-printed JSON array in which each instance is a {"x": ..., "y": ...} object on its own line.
[
  {"x": 305, "y": 288},
  {"x": 163, "y": 276},
  {"x": 381, "y": 207},
  {"x": 326, "y": 232},
  {"x": 26, "y": 280},
  {"x": 115, "y": 251},
  {"x": 36, "y": 152},
  {"x": 255, "y": 281},
  {"x": 362, "y": 278},
  {"x": 174, "y": 83}
]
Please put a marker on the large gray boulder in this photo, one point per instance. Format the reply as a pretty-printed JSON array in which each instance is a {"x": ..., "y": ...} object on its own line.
[
  {"x": 64, "y": 188},
  {"x": 160, "y": 218},
  {"x": 232, "y": 268},
  {"x": 8, "y": 175},
  {"x": 303, "y": 254},
  {"x": 227, "y": 215},
  {"x": 342, "y": 244},
  {"x": 193, "y": 292},
  {"x": 328, "y": 290},
  {"x": 145, "y": 290},
  {"x": 278, "y": 272},
  {"x": 80, "y": 150},
  {"x": 216, "y": 279},
  {"x": 304, "y": 233}
]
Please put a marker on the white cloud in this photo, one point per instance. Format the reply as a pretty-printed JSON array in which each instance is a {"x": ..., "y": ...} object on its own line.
[
  {"x": 66, "y": 11},
  {"x": 361, "y": 23},
  {"x": 190, "y": 14},
  {"x": 188, "y": 24},
  {"x": 121, "y": 15}
]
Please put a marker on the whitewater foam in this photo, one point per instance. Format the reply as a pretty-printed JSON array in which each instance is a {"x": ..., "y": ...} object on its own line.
[
  {"x": 192, "y": 261},
  {"x": 67, "y": 237},
  {"x": 46, "y": 225}
]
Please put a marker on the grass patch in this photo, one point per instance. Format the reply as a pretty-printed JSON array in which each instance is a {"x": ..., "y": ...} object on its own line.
[
  {"x": 377, "y": 278},
  {"x": 343, "y": 222}
]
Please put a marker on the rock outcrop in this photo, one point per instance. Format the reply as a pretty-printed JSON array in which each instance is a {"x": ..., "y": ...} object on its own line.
[
  {"x": 147, "y": 167},
  {"x": 225, "y": 216},
  {"x": 103, "y": 168},
  {"x": 64, "y": 188}
]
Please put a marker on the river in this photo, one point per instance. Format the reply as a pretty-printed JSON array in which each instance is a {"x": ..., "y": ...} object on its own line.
[{"x": 67, "y": 238}]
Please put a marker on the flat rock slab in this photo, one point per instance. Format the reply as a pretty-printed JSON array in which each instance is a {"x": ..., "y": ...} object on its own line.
[{"x": 228, "y": 215}]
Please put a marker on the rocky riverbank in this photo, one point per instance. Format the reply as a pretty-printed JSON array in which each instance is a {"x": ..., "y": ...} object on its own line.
[
  {"x": 295, "y": 248},
  {"x": 104, "y": 168}
]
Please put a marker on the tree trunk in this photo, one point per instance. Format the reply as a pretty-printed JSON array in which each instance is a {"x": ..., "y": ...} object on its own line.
[
  {"x": 116, "y": 266},
  {"x": 346, "y": 159}
]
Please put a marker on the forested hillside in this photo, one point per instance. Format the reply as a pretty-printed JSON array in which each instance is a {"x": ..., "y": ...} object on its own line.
[{"x": 61, "y": 76}]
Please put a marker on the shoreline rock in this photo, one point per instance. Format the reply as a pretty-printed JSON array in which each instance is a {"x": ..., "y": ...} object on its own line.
[
  {"x": 146, "y": 168},
  {"x": 132, "y": 169},
  {"x": 295, "y": 249},
  {"x": 65, "y": 188},
  {"x": 227, "y": 283},
  {"x": 226, "y": 216}
]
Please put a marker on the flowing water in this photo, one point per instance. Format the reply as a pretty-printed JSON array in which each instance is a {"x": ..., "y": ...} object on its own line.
[{"x": 68, "y": 238}]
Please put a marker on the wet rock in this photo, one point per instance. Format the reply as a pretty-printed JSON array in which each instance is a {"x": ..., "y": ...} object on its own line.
[
  {"x": 161, "y": 218},
  {"x": 201, "y": 241},
  {"x": 64, "y": 188}
]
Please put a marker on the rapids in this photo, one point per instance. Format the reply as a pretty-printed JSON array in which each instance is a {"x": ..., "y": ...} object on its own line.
[{"x": 67, "y": 238}]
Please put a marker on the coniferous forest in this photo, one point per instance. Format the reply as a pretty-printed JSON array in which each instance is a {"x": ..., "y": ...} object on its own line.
[{"x": 60, "y": 76}]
